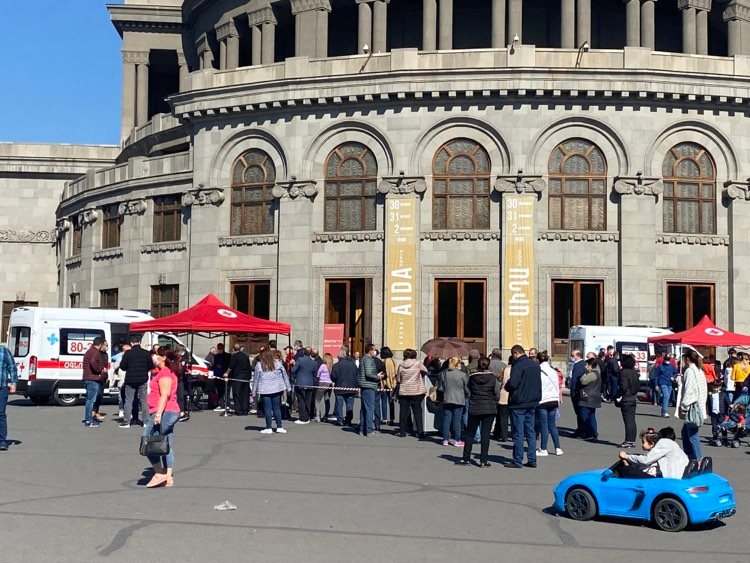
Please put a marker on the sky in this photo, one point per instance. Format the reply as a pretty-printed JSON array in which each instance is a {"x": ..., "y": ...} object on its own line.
[{"x": 61, "y": 72}]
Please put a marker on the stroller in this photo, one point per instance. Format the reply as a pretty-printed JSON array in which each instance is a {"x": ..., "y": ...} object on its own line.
[{"x": 736, "y": 424}]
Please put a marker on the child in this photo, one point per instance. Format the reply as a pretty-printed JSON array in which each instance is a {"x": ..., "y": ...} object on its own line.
[
  {"x": 735, "y": 420},
  {"x": 663, "y": 458},
  {"x": 714, "y": 410}
]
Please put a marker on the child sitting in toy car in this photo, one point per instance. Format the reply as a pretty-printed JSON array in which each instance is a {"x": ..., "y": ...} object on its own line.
[
  {"x": 663, "y": 458},
  {"x": 735, "y": 421}
]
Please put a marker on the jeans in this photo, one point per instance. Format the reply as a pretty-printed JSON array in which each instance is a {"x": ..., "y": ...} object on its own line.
[
  {"x": 546, "y": 417},
  {"x": 452, "y": 421},
  {"x": 413, "y": 404},
  {"x": 523, "y": 427},
  {"x": 367, "y": 411},
  {"x": 613, "y": 386},
  {"x": 483, "y": 422},
  {"x": 93, "y": 389},
  {"x": 344, "y": 416},
  {"x": 322, "y": 403},
  {"x": 628, "y": 418},
  {"x": 691, "y": 441},
  {"x": 588, "y": 418},
  {"x": 132, "y": 392},
  {"x": 501, "y": 423},
  {"x": 381, "y": 408},
  {"x": 3, "y": 416},
  {"x": 272, "y": 409},
  {"x": 666, "y": 396},
  {"x": 304, "y": 402},
  {"x": 168, "y": 421}
]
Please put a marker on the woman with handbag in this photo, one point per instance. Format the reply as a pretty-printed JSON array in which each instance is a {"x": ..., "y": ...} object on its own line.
[
  {"x": 164, "y": 412},
  {"x": 630, "y": 384},
  {"x": 693, "y": 401}
]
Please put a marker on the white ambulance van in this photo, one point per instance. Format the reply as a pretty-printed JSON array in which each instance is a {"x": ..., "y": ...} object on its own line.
[{"x": 48, "y": 345}]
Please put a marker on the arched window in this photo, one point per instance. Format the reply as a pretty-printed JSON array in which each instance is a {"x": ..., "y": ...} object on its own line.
[
  {"x": 351, "y": 189},
  {"x": 253, "y": 177},
  {"x": 461, "y": 186},
  {"x": 577, "y": 187},
  {"x": 689, "y": 190}
]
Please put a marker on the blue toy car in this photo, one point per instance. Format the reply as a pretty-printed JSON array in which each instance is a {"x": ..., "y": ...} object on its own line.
[{"x": 672, "y": 504}]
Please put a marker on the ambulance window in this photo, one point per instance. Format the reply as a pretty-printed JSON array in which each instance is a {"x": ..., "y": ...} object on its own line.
[
  {"x": 19, "y": 341},
  {"x": 75, "y": 341}
]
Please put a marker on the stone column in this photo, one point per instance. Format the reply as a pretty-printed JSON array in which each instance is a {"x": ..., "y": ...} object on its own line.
[
  {"x": 127, "y": 123},
  {"x": 269, "y": 42},
  {"x": 205, "y": 55},
  {"x": 568, "y": 24},
  {"x": 515, "y": 20},
  {"x": 257, "y": 45},
  {"x": 701, "y": 32},
  {"x": 184, "y": 72},
  {"x": 233, "y": 51},
  {"x": 380, "y": 26},
  {"x": 311, "y": 27},
  {"x": 633, "y": 23},
  {"x": 688, "y": 26},
  {"x": 429, "y": 25},
  {"x": 648, "y": 25},
  {"x": 263, "y": 29},
  {"x": 142, "y": 91},
  {"x": 738, "y": 194},
  {"x": 637, "y": 250},
  {"x": 446, "y": 25},
  {"x": 583, "y": 22},
  {"x": 364, "y": 31},
  {"x": 229, "y": 45},
  {"x": 222, "y": 54},
  {"x": 737, "y": 16},
  {"x": 498, "y": 24}
]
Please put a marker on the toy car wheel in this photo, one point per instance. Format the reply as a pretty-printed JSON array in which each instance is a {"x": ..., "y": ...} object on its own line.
[
  {"x": 579, "y": 504},
  {"x": 670, "y": 515}
]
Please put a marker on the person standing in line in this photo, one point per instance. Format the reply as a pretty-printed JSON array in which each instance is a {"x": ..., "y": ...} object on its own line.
[
  {"x": 692, "y": 408},
  {"x": 473, "y": 364},
  {"x": 410, "y": 377},
  {"x": 664, "y": 375},
  {"x": 502, "y": 419},
  {"x": 612, "y": 376},
  {"x": 590, "y": 399},
  {"x": 483, "y": 390},
  {"x": 94, "y": 375},
  {"x": 164, "y": 411},
  {"x": 8, "y": 382},
  {"x": 345, "y": 377},
  {"x": 136, "y": 363},
  {"x": 370, "y": 376},
  {"x": 532, "y": 354},
  {"x": 578, "y": 369},
  {"x": 323, "y": 392},
  {"x": 630, "y": 384},
  {"x": 497, "y": 365},
  {"x": 388, "y": 390},
  {"x": 304, "y": 374},
  {"x": 546, "y": 412},
  {"x": 525, "y": 387},
  {"x": 270, "y": 382},
  {"x": 239, "y": 370},
  {"x": 117, "y": 380},
  {"x": 454, "y": 383}
]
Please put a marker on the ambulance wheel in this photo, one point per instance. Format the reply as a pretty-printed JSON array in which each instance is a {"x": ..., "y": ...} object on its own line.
[
  {"x": 65, "y": 400},
  {"x": 39, "y": 400}
]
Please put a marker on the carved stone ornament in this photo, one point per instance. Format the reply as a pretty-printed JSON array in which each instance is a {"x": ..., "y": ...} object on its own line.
[
  {"x": 579, "y": 236},
  {"x": 461, "y": 235},
  {"x": 402, "y": 184},
  {"x": 295, "y": 188},
  {"x": 261, "y": 16},
  {"x": 63, "y": 226},
  {"x": 351, "y": 236},
  {"x": 248, "y": 240},
  {"x": 520, "y": 184},
  {"x": 704, "y": 5},
  {"x": 638, "y": 185},
  {"x": 737, "y": 190},
  {"x": 132, "y": 207},
  {"x": 89, "y": 216},
  {"x": 702, "y": 240},
  {"x": 210, "y": 196},
  {"x": 28, "y": 237},
  {"x": 157, "y": 247},
  {"x": 299, "y": 6}
]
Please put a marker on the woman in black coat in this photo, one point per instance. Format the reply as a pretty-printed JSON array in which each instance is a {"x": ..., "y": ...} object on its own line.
[
  {"x": 629, "y": 386},
  {"x": 484, "y": 393}
]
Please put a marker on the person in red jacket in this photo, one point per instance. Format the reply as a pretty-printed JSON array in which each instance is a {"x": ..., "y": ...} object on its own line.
[{"x": 94, "y": 376}]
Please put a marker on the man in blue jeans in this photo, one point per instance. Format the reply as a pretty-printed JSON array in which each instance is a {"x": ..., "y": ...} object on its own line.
[
  {"x": 94, "y": 375},
  {"x": 525, "y": 388},
  {"x": 345, "y": 377},
  {"x": 8, "y": 380},
  {"x": 664, "y": 374},
  {"x": 370, "y": 374}
]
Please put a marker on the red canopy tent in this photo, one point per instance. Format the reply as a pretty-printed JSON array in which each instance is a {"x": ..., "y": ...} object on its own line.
[
  {"x": 705, "y": 333},
  {"x": 211, "y": 316}
]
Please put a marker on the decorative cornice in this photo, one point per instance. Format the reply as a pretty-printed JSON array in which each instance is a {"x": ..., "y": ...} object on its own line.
[
  {"x": 202, "y": 196},
  {"x": 353, "y": 236},
  {"x": 248, "y": 240},
  {"x": 697, "y": 4},
  {"x": 402, "y": 184},
  {"x": 703, "y": 240},
  {"x": 172, "y": 246},
  {"x": 89, "y": 216},
  {"x": 579, "y": 236},
  {"x": 295, "y": 188},
  {"x": 735, "y": 189},
  {"x": 299, "y": 6},
  {"x": 226, "y": 29},
  {"x": 73, "y": 261},
  {"x": 737, "y": 10},
  {"x": 201, "y": 44},
  {"x": 638, "y": 185},
  {"x": 137, "y": 57},
  {"x": 520, "y": 184},
  {"x": 261, "y": 16},
  {"x": 132, "y": 207},
  {"x": 28, "y": 237},
  {"x": 461, "y": 235},
  {"x": 108, "y": 253}
]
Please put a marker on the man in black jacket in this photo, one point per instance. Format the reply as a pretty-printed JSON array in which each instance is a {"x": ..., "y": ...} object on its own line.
[
  {"x": 136, "y": 363},
  {"x": 345, "y": 374},
  {"x": 239, "y": 371},
  {"x": 525, "y": 388}
]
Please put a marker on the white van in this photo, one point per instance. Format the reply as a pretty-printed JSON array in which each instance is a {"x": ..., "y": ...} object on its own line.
[{"x": 48, "y": 345}]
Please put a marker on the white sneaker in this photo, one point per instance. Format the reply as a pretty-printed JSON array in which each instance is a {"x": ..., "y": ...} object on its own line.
[
  {"x": 121, "y": 414},
  {"x": 558, "y": 451},
  {"x": 281, "y": 430},
  {"x": 219, "y": 409},
  {"x": 301, "y": 421},
  {"x": 542, "y": 453},
  {"x": 266, "y": 431}
]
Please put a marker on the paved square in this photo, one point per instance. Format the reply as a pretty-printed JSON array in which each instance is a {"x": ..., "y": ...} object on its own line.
[{"x": 317, "y": 494}]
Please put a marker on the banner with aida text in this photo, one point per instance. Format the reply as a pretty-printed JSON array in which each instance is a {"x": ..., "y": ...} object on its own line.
[
  {"x": 518, "y": 270},
  {"x": 401, "y": 239}
]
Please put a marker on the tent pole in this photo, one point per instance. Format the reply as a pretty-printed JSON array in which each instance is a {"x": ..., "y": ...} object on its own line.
[{"x": 226, "y": 382}]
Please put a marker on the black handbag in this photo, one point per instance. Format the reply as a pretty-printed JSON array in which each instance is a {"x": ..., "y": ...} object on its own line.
[{"x": 154, "y": 444}]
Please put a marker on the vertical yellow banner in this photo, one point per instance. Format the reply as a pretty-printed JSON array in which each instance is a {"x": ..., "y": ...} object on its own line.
[
  {"x": 401, "y": 241},
  {"x": 518, "y": 270}
]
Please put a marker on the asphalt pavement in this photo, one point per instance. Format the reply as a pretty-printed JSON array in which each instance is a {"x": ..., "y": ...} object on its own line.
[{"x": 318, "y": 494}]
